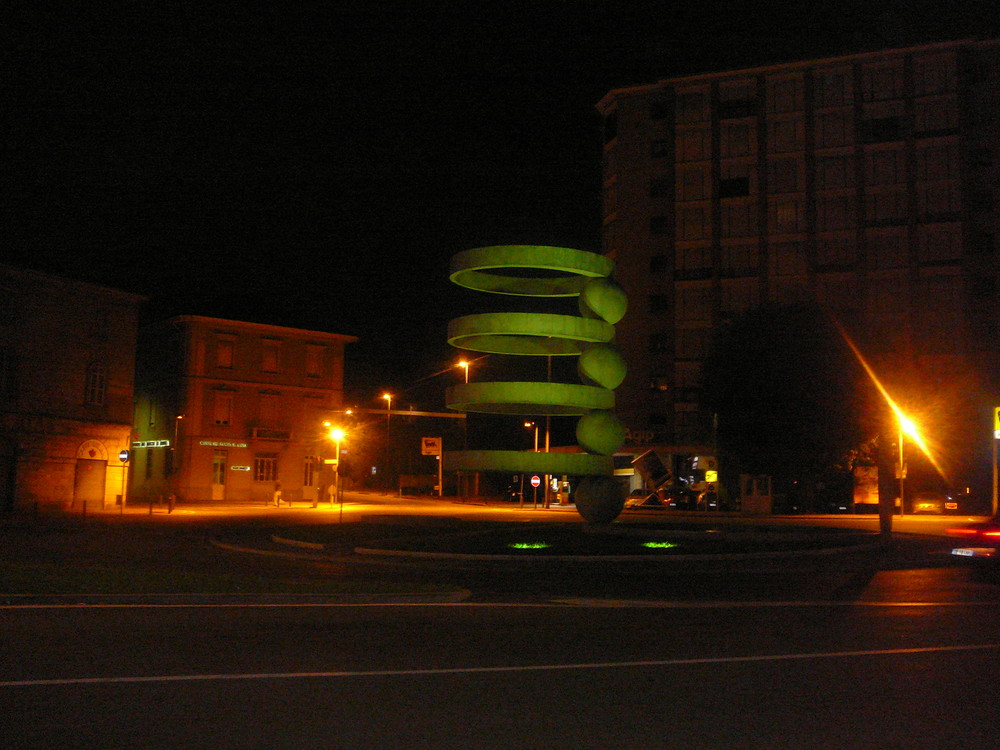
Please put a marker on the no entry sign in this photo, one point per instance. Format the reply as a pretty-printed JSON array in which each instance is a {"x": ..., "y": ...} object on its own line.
[{"x": 536, "y": 481}]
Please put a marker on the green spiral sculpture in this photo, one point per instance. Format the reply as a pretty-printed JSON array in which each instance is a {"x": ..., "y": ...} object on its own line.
[{"x": 539, "y": 271}]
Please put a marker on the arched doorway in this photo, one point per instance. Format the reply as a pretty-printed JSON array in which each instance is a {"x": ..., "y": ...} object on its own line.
[{"x": 90, "y": 473}]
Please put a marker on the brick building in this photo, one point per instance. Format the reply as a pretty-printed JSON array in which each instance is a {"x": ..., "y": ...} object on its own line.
[
  {"x": 226, "y": 409},
  {"x": 67, "y": 363}
]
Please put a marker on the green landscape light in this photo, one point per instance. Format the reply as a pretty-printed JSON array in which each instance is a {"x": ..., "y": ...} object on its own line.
[
  {"x": 658, "y": 545},
  {"x": 528, "y": 545}
]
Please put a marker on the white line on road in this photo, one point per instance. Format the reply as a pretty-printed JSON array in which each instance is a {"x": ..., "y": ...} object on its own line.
[{"x": 488, "y": 670}]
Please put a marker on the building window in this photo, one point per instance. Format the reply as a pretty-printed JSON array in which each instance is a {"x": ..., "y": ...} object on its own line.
[
  {"x": 786, "y": 215},
  {"x": 834, "y": 172},
  {"x": 660, "y": 109},
  {"x": 737, "y": 109},
  {"x": 882, "y": 129},
  {"x": 694, "y": 304},
  {"x": 934, "y": 75},
  {"x": 888, "y": 247},
  {"x": 738, "y": 295},
  {"x": 223, "y": 407},
  {"x": 694, "y": 263},
  {"x": 660, "y": 187},
  {"x": 692, "y": 344},
  {"x": 309, "y": 471},
  {"x": 659, "y": 343},
  {"x": 659, "y": 304},
  {"x": 268, "y": 409},
  {"x": 224, "y": 353},
  {"x": 738, "y": 139},
  {"x": 692, "y": 106},
  {"x": 834, "y": 129},
  {"x": 660, "y": 149},
  {"x": 95, "y": 385},
  {"x": 659, "y": 225},
  {"x": 936, "y": 116},
  {"x": 789, "y": 259},
  {"x": 835, "y": 212},
  {"x": 692, "y": 145},
  {"x": 739, "y": 219},
  {"x": 314, "y": 358},
  {"x": 692, "y": 223},
  {"x": 785, "y": 135},
  {"x": 887, "y": 206},
  {"x": 885, "y": 167},
  {"x": 882, "y": 82},
  {"x": 836, "y": 253},
  {"x": 149, "y": 463},
  {"x": 8, "y": 376},
  {"x": 265, "y": 467},
  {"x": 784, "y": 95},
  {"x": 693, "y": 183},
  {"x": 734, "y": 187},
  {"x": 785, "y": 175},
  {"x": 269, "y": 355},
  {"x": 738, "y": 261},
  {"x": 939, "y": 243},
  {"x": 660, "y": 263},
  {"x": 834, "y": 88}
]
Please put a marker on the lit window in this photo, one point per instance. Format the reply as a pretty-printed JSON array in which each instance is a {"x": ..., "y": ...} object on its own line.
[
  {"x": 96, "y": 385},
  {"x": 265, "y": 467}
]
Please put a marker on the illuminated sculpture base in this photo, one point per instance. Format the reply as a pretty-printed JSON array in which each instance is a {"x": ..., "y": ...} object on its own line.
[{"x": 570, "y": 464}]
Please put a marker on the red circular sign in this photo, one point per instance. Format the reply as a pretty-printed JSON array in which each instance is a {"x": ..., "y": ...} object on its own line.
[{"x": 535, "y": 481}]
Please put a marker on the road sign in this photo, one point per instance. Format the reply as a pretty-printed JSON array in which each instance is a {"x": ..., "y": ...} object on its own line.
[
  {"x": 123, "y": 455},
  {"x": 430, "y": 446},
  {"x": 536, "y": 481}
]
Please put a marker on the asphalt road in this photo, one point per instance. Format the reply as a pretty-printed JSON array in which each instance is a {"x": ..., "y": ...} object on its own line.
[{"x": 899, "y": 651}]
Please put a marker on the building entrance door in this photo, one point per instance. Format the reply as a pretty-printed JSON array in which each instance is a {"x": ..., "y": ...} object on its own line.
[
  {"x": 88, "y": 481},
  {"x": 219, "y": 459}
]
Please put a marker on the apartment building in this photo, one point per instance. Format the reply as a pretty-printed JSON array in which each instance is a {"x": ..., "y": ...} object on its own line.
[
  {"x": 226, "y": 410},
  {"x": 865, "y": 182},
  {"x": 67, "y": 362}
]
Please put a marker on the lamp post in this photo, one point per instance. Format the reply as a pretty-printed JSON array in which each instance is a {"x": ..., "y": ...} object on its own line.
[
  {"x": 336, "y": 435},
  {"x": 464, "y": 364},
  {"x": 907, "y": 426},
  {"x": 529, "y": 425},
  {"x": 388, "y": 413}
]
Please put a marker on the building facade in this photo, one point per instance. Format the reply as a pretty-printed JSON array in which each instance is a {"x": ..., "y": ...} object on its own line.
[
  {"x": 867, "y": 183},
  {"x": 227, "y": 410},
  {"x": 67, "y": 363}
]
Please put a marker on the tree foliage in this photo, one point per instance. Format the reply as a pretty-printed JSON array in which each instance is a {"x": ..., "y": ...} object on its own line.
[{"x": 787, "y": 392}]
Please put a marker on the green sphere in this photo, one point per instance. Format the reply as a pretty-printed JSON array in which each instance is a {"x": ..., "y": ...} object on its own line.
[
  {"x": 603, "y": 365},
  {"x": 600, "y": 432},
  {"x": 599, "y": 499},
  {"x": 604, "y": 299}
]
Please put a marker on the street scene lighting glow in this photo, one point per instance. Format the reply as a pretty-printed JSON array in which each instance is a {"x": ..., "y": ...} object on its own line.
[
  {"x": 907, "y": 425},
  {"x": 337, "y": 434}
]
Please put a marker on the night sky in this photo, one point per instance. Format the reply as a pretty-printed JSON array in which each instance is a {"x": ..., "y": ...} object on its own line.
[{"x": 317, "y": 164}]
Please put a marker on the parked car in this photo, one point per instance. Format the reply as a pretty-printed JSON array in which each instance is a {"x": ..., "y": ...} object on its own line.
[{"x": 978, "y": 540}]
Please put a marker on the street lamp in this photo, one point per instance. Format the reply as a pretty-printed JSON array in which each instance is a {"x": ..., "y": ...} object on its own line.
[
  {"x": 529, "y": 425},
  {"x": 336, "y": 435},
  {"x": 906, "y": 425},
  {"x": 388, "y": 412},
  {"x": 464, "y": 364}
]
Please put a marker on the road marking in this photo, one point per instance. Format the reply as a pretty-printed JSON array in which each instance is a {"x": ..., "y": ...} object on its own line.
[{"x": 430, "y": 672}]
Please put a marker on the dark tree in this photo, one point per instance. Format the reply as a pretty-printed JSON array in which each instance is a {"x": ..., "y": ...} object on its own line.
[{"x": 788, "y": 395}]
